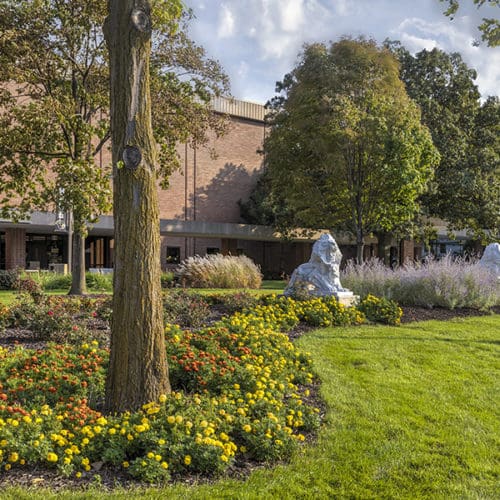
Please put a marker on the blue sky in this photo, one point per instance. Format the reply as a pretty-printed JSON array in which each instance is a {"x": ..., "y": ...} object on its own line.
[{"x": 258, "y": 41}]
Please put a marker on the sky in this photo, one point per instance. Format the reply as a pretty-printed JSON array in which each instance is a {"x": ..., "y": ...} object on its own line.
[{"x": 258, "y": 41}]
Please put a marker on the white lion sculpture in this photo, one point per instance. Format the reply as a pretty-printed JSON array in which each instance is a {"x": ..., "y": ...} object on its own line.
[
  {"x": 320, "y": 276},
  {"x": 491, "y": 259}
]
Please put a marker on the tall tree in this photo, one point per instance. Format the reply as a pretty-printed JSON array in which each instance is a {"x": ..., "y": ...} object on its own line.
[
  {"x": 466, "y": 184},
  {"x": 54, "y": 89},
  {"x": 346, "y": 149},
  {"x": 54, "y": 103},
  {"x": 490, "y": 27},
  {"x": 138, "y": 369}
]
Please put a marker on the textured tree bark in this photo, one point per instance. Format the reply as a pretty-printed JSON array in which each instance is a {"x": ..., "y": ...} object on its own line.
[
  {"x": 138, "y": 370},
  {"x": 78, "y": 285}
]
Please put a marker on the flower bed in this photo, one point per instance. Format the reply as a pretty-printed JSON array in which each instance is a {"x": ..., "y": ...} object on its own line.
[{"x": 240, "y": 391}]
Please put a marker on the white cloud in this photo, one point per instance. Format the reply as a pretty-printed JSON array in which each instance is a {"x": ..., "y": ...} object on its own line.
[
  {"x": 268, "y": 34},
  {"x": 292, "y": 15},
  {"x": 417, "y": 34},
  {"x": 225, "y": 28}
]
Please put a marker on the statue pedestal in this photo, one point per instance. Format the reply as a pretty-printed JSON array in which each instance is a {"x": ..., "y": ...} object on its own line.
[{"x": 346, "y": 298}]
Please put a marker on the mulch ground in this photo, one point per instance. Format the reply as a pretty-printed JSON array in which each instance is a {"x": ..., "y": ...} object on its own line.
[{"x": 108, "y": 478}]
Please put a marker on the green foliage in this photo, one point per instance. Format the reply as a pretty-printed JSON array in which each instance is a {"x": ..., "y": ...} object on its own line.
[
  {"x": 346, "y": 149},
  {"x": 381, "y": 310},
  {"x": 220, "y": 271},
  {"x": 99, "y": 282},
  {"x": 167, "y": 279},
  {"x": 466, "y": 190},
  {"x": 233, "y": 302},
  {"x": 184, "y": 308},
  {"x": 8, "y": 279},
  {"x": 489, "y": 28}
]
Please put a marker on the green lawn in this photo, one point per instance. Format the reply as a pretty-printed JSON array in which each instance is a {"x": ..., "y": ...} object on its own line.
[
  {"x": 413, "y": 412},
  {"x": 269, "y": 286}
]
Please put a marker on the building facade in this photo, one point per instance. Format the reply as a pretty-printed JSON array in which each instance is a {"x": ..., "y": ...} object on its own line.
[{"x": 199, "y": 212}]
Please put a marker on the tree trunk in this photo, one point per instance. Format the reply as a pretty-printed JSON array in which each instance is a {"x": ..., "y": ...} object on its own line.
[
  {"x": 384, "y": 247},
  {"x": 78, "y": 284},
  {"x": 138, "y": 370},
  {"x": 360, "y": 247}
]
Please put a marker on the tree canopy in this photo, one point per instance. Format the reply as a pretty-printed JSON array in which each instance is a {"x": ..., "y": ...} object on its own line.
[
  {"x": 346, "y": 149},
  {"x": 466, "y": 189},
  {"x": 54, "y": 102},
  {"x": 489, "y": 28}
]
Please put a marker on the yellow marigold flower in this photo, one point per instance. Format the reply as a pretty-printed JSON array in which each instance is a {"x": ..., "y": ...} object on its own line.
[
  {"x": 112, "y": 431},
  {"x": 13, "y": 457},
  {"x": 161, "y": 442},
  {"x": 162, "y": 398},
  {"x": 187, "y": 459},
  {"x": 78, "y": 475},
  {"x": 7, "y": 466},
  {"x": 171, "y": 419},
  {"x": 157, "y": 458},
  {"x": 52, "y": 457},
  {"x": 125, "y": 464},
  {"x": 179, "y": 419},
  {"x": 164, "y": 465},
  {"x": 204, "y": 423},
  {"x": 224, "y": 458},
  {"x": 247, "y": 428}
]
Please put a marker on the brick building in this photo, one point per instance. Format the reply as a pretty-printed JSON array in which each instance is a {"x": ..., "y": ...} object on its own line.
[{"x": 199, "y": 212}]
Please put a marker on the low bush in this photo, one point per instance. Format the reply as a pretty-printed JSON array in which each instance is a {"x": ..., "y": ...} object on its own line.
[
  {"x": 95, "y": 282},
  {"x": 54, "y": 281},
  {"x": 381, "y": 310},
  {"x": 448, "y": 283},
  {"x": 8, "y": 279},
  {"x": 220, "y": 271},
  {"x": 167, "y": 279},
  {"x": 184, "y": 308},
  {"x": 233, "y": 302}
]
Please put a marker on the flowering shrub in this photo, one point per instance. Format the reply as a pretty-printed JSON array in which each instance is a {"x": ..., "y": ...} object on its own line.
[
  {"x": 448, "y": 283},
  {"x": 381, "y": 310},
  {"x": 317, "y": 311},
  {"x": 4, "y": 317},
  {"x": 220, "y": 271},
  {"x": 54, "y": 318},
  {"x": 237, "y": 393}
]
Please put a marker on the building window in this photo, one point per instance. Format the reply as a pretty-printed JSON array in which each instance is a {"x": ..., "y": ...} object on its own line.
[
  {"x": 212, "y": 250},
  {"x": 173, "y": 255}
]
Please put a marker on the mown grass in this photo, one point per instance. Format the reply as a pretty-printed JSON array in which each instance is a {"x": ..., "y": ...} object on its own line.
[
  {"x": 8, "y": 296},
  {"x": 412, "y": 413}
]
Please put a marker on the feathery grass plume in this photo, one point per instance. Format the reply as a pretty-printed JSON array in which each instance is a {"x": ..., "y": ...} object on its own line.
[
  {"x": 449, "y": 282},
  {"x": 220, "y": 271}
]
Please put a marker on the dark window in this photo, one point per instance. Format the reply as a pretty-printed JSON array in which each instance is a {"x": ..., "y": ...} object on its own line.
[
  {"x": 173, "y": 255},
  {"x": 212, "y": 250}
]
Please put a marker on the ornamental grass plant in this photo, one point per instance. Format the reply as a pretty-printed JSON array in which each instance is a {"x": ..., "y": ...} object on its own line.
[
  {"x": 449, "y": 283},
  {"x": 220, "y": 271}
]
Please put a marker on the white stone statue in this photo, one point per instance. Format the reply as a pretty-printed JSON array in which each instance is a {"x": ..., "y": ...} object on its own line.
[
  {"x": 320, "y": 276},
  {"x": 491, "y": 259}
]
